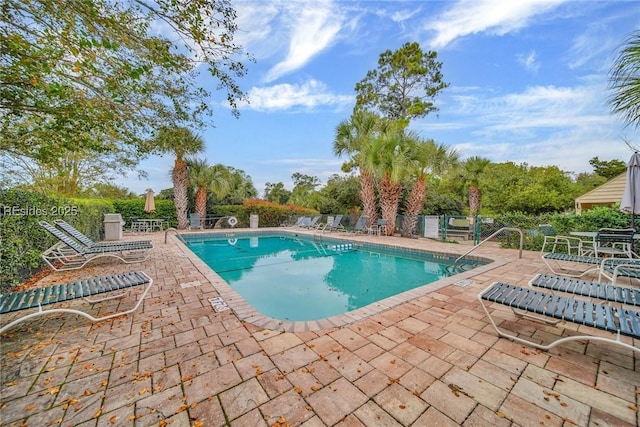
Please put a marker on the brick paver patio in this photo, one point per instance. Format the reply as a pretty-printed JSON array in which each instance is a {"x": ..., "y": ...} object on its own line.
[{"x": 431, "y": 359}]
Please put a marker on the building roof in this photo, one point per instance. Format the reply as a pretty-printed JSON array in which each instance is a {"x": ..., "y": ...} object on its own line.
[{"x": 608, "y": 193}]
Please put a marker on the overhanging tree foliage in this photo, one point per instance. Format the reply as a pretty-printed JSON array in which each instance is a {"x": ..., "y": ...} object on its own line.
[{"x": 102, "y": 75}]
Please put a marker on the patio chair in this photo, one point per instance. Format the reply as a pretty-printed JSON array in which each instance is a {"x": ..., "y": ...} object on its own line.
[
  {"x": 195, "y": 221},
  {"x": 88, "y": 243},
  {"x": 37, "y": 297},
  {"x": 359, "y": 228},
  {"x": 614, "y": 242},
  {"x": 541, "y": 305},
  {"x": 335, "y": 225},
  {"x": 68, "y": 254},
  {"x": 553, "y": 242}
]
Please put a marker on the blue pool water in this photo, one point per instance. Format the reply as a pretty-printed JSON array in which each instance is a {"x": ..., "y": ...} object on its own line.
[{"x": 296, "y": 278}]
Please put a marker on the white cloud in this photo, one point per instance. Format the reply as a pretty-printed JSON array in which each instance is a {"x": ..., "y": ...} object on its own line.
[
  {"x": 315, "y": 27},
  {"x": 529, "y": 61},
  {"x": 497, "y": 17},
  {"x": 286, "y": 96}
]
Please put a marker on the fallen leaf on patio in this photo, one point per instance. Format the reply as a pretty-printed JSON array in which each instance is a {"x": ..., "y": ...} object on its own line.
[
  {"x": 198, "y": 424},
  {"x": 401, "y": 406},
  {"x": 12, "y": 383},
  {"x": 97, "y": 414},
  {"x": 298, "y": 390},
  {"x": 393, "y": 362},
  {"x": 30, "y": 407},
  {"x": 162, "y": 423},
  {"x": 500, "y": 414},
  {"x": 182, "y": 408},
  {"x": 193, "y": 405},
  {"x": 633, "y": 408},
  {"x": 142, "y": 391},
  {"x": 113, "y": 419},
  {"x": 563, "y": 404}
]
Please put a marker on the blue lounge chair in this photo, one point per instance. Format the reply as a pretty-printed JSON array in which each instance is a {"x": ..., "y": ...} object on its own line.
[
  {"x": 68, "y": 254},
  {"x": 37, "y": 297},
  {"x": 540, "y": 305}
]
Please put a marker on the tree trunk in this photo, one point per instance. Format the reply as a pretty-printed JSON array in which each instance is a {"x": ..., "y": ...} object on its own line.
[
  {"x": 201, "y": 202},
  {"x": 414, "y": 206},
  {"x": 389, "y": 197},
  {"x": 368, "y": 197},
  {"x": 180, "y": 183},
  {"x": 474, "y": 200}
]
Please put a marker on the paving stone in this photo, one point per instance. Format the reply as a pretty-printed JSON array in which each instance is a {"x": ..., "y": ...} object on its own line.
[
  {"x": 289, "y": 406},
  {"x": 457, "y": 406},
  {"x": 410, "y": 353},
  {"x": 243, "y": 398},
  {"x": 211, "y": 383},
  {"x": 401, "y": 403},
  {"x": 481, "y": 417},
  {"x": 416, "y": 380},
  {"x": 372, "y": 382},
  {"x": 525, "y": 413},
  {"x": 495, "y": 375},
  {"x": 591, "y": 397},
  {"x": 368, "y": 352},
  {"x": 337, "y": 400},
  {"x": 433, "y": 417},
  {"x": 209, "y": 412},
  {"x": 370, "y": 414},
  {"x": 390, "y": 365},
  {"x": 253, "y": 419},
  {"x": 348, "y": 338},
  {"x": 280, "y": 343},
  {"x": 166, "y": 402},
  {"x": 274, "y": 382},
  {"x": 253, "y": 365},
  {"x": 348, "y": 364},
  {"x": 294, "y": 358},
  {"x": 474, "y": 387}
]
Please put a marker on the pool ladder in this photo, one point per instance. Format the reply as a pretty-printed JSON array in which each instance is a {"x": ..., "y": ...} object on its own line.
[{"x": 452, "y": 267}]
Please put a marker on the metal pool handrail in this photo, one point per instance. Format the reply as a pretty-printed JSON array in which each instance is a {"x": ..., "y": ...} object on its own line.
[
  {"x": 178, "y": 235},
  {"x": 490, "y": 237}
]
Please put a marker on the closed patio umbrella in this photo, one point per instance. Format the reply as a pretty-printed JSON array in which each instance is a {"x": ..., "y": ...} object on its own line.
[
  {"x": 631, "y": 196},
  {"x": 149, "y": 203}
]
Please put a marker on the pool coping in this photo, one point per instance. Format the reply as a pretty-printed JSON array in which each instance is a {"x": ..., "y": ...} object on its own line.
[{"x": 247, "y": 313}]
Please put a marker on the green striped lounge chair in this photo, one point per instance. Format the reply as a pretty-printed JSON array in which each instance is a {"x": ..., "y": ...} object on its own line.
[{"x": 34, "y": 302}]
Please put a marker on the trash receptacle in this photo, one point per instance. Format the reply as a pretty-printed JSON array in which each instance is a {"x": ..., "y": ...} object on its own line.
[
  {"x": 253, "y": 221},
  {"x": 113, "y": 226}
]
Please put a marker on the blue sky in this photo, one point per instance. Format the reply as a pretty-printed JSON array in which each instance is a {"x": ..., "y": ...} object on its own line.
[{"x": 528, "y": 82}]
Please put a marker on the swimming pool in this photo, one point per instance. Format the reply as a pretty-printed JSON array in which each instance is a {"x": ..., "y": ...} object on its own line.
[{"x": 297, "y": 278}]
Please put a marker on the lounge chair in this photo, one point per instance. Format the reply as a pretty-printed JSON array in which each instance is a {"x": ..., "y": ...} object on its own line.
[
  {"x": 88, "y": 243},
  {"x": 541, "y": 305},
  {"x": 335, "y": 225},
  {"x": 360, "y": 226},
  {"x": 312, "y": 222},
  {"x": 602, "y": 291},
  {"x": 68, "y": 254},
  {"x": 37, "y": 297},
  {"x": 567, "y": 264}
]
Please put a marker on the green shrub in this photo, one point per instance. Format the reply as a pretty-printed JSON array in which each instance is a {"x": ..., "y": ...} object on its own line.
[
  {"x": 22, "y": 240},
  {"x": 134, "y": 208}
]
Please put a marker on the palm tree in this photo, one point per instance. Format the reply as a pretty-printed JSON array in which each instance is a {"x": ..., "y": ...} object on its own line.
[
  {"x": 222, "y": 180},
  {"x": 426, "y": 158},
  {"x": 200, "y": 178},
  {"x": 392, "y": 147},
  {"x": 180, "y": 142},
  {"x": 353, "y": 138},
  {"x": 472, "y": 168},
  {"x": 625, "y": 81}
]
